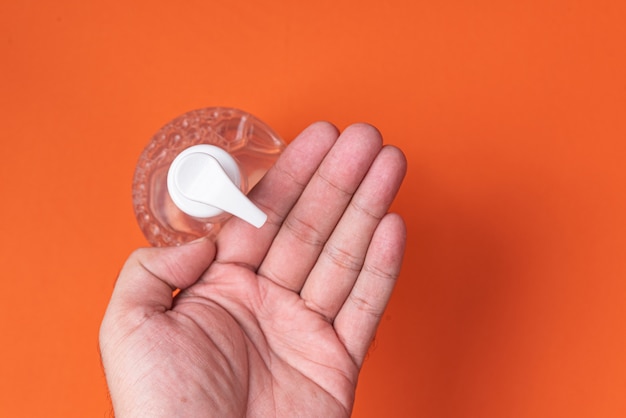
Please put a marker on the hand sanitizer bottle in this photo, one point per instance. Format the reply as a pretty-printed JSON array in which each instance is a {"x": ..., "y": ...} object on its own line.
[{"x": 195, "y": 173}]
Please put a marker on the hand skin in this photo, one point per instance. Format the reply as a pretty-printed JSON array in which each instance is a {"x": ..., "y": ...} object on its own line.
[{"x": 270, "y": 322}]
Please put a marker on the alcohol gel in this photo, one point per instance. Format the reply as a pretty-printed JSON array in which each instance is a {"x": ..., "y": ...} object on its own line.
[{"x": 195, "y": 173}]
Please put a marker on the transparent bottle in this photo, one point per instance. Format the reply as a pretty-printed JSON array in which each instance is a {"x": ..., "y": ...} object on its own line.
[{"x": 194, "y": 174}]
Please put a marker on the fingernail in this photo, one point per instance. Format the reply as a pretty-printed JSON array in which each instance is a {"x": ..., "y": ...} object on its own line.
[{"x": 198, "y": 240}]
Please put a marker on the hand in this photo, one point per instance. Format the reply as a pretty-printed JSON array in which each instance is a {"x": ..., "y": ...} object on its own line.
[{"x": 273, "y": 321}]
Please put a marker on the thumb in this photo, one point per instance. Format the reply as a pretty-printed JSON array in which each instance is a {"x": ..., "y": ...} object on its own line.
[{"x": 150, "y": 275}]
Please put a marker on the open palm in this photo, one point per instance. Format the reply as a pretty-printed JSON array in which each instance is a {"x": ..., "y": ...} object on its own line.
[{"x": 273, "y": 321}]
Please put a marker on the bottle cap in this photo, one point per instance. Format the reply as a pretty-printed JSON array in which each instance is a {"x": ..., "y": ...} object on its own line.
[{"x": 203, "y": 182}]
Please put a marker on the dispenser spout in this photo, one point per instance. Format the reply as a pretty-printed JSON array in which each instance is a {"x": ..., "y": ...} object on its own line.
[{"x": 199, "y": 184}]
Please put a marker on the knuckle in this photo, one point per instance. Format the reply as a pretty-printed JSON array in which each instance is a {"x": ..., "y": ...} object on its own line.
[
  {"x": 379, "y": 273},
  {"x": 304, "y": 231},
  {"x": 334, "y": 185},
  {"x": 343, "y": 258},
  {"x": 365, "y": 305}
]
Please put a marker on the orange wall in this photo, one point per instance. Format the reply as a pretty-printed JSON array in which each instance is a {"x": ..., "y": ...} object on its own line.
[{"x": 512, "y": 115}]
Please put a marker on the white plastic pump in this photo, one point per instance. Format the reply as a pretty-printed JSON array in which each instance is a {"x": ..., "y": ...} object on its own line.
[
  {"x": 203, "y": 182},
  {"x": 196, "y": 170}
]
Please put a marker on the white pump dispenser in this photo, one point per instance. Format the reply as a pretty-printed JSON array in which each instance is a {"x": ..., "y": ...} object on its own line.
[
  {"x": 196, "y": 170},
  {"x": 202, "y": 182}
]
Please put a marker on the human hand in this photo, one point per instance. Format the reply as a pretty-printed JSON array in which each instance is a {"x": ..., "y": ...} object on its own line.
[{"x": 273, "y": 321}]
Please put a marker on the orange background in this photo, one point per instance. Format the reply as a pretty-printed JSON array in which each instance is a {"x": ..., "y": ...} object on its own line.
[{"x": 511, "y": 302}]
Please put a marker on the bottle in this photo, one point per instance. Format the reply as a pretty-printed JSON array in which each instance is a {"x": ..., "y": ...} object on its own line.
[{"x": 196, "y": 170}]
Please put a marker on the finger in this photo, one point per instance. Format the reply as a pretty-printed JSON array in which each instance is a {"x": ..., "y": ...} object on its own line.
[
  {"x": 150, "y": 275},
  {"x": 341, "y": 260},
  {"x": 276, "y": 194},
  {"x": 307, "y": 227},
  {"x": 358, "y": 318}
]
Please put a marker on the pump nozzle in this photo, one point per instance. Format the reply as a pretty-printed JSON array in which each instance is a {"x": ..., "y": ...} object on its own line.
[{"x": 202, "y": 182}]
